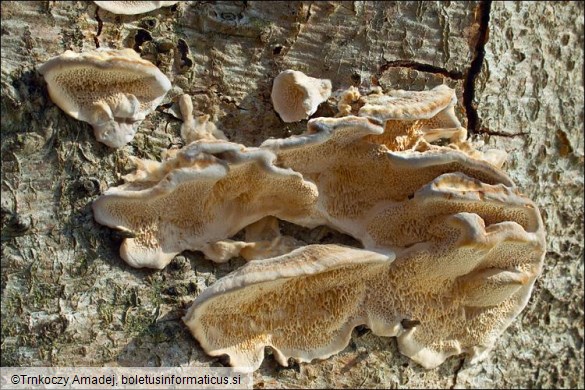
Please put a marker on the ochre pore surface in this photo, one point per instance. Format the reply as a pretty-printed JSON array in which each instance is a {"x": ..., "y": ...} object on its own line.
[
  {"x": 451, "y": 248},
  {"x": 113, "y": 90}
]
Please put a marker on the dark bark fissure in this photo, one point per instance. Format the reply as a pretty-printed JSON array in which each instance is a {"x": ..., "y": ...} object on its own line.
[
  {"x": 475, "y": 68},
  {"x": 457, "y": 369},
  {"x": 99, "y": 28},
  {"x": 421, "y": 68},
  {"x": 473, "y": 121},
  {"x": 484, "y": 130}
]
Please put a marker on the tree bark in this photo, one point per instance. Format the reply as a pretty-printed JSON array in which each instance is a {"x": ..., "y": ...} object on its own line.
[{"x": 68, "y": 298}]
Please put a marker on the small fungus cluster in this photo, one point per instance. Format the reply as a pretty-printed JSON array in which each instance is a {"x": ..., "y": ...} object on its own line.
[{"x": 450, "y": 248}]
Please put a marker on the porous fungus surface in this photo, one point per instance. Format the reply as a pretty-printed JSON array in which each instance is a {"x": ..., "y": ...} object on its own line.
[
  {"x": 296, "y": 96},
  {"x": 206, "y": 193},
  {"x": 451, "y": 248},
  {"x": 461, "y": 287},
  {"x": 113, "y": 90}
]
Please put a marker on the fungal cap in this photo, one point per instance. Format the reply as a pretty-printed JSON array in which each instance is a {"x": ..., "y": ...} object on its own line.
[
  {"x": 408, "y": 105},
  {"x": 113, "y": 90},
  {"x": 133, "y": 7},
  {"x": 313, "y": 268},
  {"x": 435, "y": 109},
  {"x": 296, "y": 96},
  {"x": 194, "y": 200}
]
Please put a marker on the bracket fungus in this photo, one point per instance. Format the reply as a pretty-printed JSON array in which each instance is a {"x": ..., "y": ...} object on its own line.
[
  {"x": 450, "y": 254},
  {"x": 462, "y": 287},
  {"x": 296, "y": 96},
  {"x": 113, "y": 90},
  {"x": 339, "y": 157},
  {"x": 430, "y": 112},
  {"x": 133, "y": 7},
  {"x": 233, "y": 188}
]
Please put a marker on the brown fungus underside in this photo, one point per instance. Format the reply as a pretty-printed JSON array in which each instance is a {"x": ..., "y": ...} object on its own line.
[
  {"x": 113, "y": 90},
  {"x": 449, "y": 244}
]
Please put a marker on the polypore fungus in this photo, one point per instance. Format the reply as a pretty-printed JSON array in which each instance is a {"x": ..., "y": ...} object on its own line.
[
  {"x": 451, "y": 248},
  {"x": 296, "y": 96},
  {"x": 214, "y": 185},
  {"x": 433, "y": 111},
  {"x": 202, "y": 195},
  {"x": 339, "y": 157},
  {"x": 113, "y": 90},
  {"x": 294, "y": 303},
  {"x": 346, "y": 100},
  {"x": 454, "y": 291},
  {"x": 133, "y": 7}
]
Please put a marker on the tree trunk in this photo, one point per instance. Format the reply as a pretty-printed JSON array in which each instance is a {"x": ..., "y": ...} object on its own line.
[{"x": 68, "y": 298}]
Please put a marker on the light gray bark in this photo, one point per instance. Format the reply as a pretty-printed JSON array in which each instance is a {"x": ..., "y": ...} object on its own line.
[{"x": 68, "y": 298}]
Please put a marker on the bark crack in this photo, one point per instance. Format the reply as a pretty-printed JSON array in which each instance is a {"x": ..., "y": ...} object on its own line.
[
  {"x": 475, "y": 68},
  {"x": 457, "y": 370},
  {"x": 421, "y": 67},
  {"x": 486, "y": 131},
  {"x": 99, "y": 28}
]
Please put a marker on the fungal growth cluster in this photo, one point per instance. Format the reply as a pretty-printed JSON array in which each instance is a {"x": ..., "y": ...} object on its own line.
[{"x": 451, "y": 249}]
